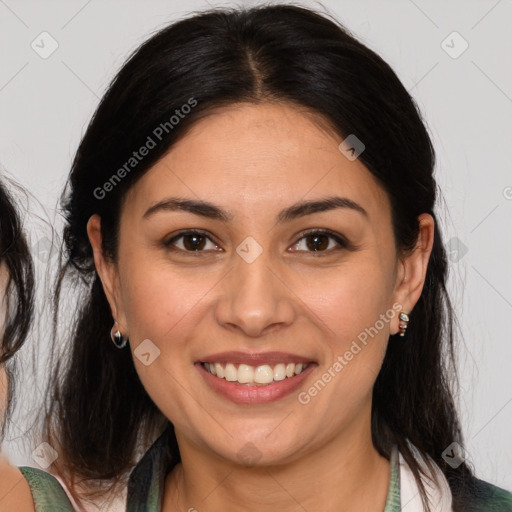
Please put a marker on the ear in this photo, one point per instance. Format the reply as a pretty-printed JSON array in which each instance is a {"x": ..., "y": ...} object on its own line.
[
  {"x": 107, "y": 272},
  {"x": 412, "y": 269}
]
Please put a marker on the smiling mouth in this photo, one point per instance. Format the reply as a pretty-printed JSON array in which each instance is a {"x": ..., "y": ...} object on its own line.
[{"x": 261, "y": 375}]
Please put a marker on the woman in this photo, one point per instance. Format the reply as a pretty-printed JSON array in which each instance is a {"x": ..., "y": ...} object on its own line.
[
  {"x": 252, "y": 212},
  {"x": 20, "y": 489}
]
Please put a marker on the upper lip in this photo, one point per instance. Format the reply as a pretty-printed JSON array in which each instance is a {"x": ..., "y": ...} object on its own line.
[{"x": 254, "y": 359}]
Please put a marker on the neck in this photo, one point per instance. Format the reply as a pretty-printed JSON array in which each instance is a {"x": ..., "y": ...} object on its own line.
[{"x": 345, "y": 474}]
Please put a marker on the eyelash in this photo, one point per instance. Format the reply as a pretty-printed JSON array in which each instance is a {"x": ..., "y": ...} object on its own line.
[{"x": 342, "y": 242}]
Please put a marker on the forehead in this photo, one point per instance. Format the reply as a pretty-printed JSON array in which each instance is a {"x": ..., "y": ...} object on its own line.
[{"x": 258, "y": 158}]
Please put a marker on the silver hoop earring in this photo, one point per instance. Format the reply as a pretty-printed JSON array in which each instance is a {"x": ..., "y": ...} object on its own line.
[{"x": 117, "y": 338}]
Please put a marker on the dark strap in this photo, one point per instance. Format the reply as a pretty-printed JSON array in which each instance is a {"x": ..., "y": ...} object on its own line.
[
  {"x": 147, "y": 480},
  {"x": 47, "y": 493}
]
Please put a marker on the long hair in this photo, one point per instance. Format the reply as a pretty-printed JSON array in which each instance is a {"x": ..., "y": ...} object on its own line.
[
  {"x": 98, "y": 411},
  {"x": 19, "y": 294}
]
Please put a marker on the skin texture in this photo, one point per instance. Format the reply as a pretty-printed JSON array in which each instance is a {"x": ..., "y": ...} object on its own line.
[
  {"x": 255, "y": 160},
  {"x": 14, "y": 490}
]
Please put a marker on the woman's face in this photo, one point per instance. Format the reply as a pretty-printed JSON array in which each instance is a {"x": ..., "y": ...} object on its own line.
[{"x": 255, "y": 284}]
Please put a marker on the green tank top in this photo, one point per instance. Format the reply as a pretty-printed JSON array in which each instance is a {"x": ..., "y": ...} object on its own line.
[{"x": 47, "y": 493}]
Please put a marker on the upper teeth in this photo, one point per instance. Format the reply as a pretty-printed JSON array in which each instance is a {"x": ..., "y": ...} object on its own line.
[{"x": 246, "y": 374}]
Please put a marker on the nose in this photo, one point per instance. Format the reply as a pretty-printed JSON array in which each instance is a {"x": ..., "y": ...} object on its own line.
[{"x": 255, "y": 299}]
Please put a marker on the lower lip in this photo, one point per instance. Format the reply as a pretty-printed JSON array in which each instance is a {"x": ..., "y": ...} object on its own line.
[{"x": 244, "y": 394}]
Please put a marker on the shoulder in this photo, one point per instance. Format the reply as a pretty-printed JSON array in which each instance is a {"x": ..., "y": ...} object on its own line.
[
  {"x": 486, "y": 497},
  {"x": 14, "y": 489}
]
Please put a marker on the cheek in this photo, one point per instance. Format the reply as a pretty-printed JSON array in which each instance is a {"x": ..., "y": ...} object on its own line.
[
  {"x": 163, "y": 305},
  {"x": 351, "y": 298},
  {"x": 355, "y": 312},
  {"x": 151, "y": 298},
  {"x": 163, "y": 308}
]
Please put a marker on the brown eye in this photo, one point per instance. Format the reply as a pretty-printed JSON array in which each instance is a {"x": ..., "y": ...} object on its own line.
[
  {"x": 320, "y": 241},
  {"x": 191, "y": 241},
  {"x": 194, "y": 242},
  {"x": 317, "y": 242}
]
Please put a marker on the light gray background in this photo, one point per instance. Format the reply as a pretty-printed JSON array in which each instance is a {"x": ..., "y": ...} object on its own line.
[{"x": 45, "y": 105}]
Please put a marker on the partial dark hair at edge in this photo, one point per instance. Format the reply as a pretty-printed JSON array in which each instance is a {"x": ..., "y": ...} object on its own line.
[
  {"x": 15, "y": 255},
  {"x": 98, "y": 410}
]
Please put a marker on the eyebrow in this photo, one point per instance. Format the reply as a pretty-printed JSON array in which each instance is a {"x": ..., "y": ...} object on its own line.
[{"x": 295, "y": 211}]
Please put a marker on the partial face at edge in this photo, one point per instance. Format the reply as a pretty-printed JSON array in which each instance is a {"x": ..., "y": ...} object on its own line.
[{"x": 253, "y": 162}]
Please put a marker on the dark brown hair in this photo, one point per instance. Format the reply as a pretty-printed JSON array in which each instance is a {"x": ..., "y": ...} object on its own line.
[{"x": 19, "y": 294}]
